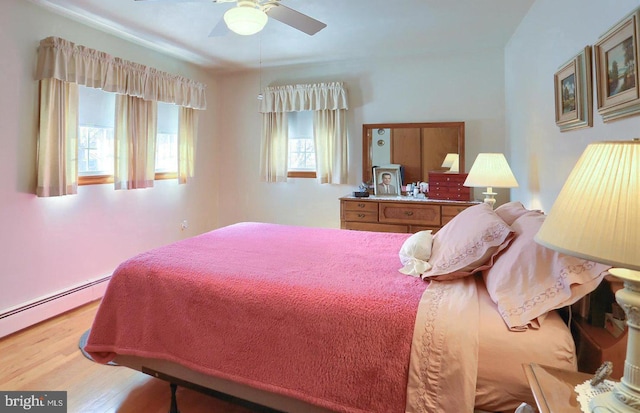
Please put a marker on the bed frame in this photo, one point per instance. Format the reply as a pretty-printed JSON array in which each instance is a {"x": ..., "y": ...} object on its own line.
[{"x": 243, "y": 395}]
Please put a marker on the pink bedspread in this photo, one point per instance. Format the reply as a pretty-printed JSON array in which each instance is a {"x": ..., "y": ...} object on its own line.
[{"x": 322, "y": 315}]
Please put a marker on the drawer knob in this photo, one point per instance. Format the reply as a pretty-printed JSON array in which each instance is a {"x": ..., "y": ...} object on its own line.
[
  {"x": 361, "y": 205},
  {"x": 408, "y": 213},
  {"x": 361, "y": 215}
]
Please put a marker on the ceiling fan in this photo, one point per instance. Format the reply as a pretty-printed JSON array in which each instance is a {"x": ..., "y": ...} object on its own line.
[{"x": 250, "y": 16}]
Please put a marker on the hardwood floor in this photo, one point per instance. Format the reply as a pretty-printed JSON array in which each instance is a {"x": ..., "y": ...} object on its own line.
[{"x": 46, "y": 357}]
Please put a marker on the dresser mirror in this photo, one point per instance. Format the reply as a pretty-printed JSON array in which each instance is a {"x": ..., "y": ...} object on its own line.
[{"x": 418, "y": 147}]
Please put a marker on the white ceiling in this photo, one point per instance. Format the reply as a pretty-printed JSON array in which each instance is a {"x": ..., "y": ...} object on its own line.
[{"x": 355, "y": 28}]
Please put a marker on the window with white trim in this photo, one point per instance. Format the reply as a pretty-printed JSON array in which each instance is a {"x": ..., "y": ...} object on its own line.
[
  {"x": 96, "y": 121},
  {"x": 96, "y": 118},
  {"x": 302, "y": 154},
  {"x": 167, "y": 138}
]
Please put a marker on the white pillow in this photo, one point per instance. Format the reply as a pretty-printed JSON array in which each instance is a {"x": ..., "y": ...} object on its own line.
[{"x": 415, "y": 253}]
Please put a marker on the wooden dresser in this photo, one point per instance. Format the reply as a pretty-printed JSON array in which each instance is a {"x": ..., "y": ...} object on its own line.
[
  {"x": 398, "y": 214},
  {"x": 450, "y": 186}
]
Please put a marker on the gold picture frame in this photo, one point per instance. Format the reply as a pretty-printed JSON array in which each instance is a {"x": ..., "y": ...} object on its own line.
[
  {"x": 616, "y": 56},
  {"x": 574, "y": 93}
]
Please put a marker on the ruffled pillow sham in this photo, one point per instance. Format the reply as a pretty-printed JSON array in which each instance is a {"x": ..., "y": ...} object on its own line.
[
  {"x": 511, "y": 211},
  {"x": 528, "y": 280},
  {"x": 468, "y": 243}
]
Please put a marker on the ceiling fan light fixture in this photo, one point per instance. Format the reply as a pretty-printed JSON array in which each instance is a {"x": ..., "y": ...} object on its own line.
[{"x": 245, "y": 19}]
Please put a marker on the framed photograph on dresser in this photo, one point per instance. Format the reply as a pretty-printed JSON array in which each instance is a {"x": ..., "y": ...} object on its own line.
[
  {"x": 573, "y": 93},
  {"x": 387, "y": 180},
  {"x": 616, "y": 57}
]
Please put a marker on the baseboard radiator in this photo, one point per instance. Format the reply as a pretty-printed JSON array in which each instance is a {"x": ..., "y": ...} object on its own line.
[{"x": 33, "y": 312}]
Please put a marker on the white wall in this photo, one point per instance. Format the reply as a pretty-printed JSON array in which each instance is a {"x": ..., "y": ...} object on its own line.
[
  {"x": 466, "y": 88},
  {"x": 53, "y": 244},
  {"x": 551, "y": 34},
  {"x": 49, "y": 245}
]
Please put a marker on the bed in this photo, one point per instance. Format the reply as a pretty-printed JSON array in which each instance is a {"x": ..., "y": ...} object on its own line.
[{"x": 304, "y": 319}]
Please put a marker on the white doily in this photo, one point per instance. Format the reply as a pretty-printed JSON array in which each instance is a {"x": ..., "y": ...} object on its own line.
[{"x": 586, "y": 392}]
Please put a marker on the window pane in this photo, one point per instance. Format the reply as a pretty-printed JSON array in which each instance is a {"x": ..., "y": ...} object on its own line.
[
  {"x": 96, "y": 114},
  {"x": 167, "y": 138},
  {"x": 302, "y": 155}
]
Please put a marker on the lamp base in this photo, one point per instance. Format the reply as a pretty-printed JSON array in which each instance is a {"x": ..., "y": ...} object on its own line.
[
  {"x": 616, "y": 401},
  {"x": 625, "y": 396},
  {"x": 489, "y": 197}
]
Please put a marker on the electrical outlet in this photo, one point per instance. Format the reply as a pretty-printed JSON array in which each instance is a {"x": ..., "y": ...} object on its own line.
[{"x": 184, "y": 225}]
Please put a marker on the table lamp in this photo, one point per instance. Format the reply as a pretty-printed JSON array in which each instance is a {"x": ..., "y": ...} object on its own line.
[
  {"x": 490, "y": 170},
  {"x": 451, "y": 161},
  {"x": 597, "y": 217}
]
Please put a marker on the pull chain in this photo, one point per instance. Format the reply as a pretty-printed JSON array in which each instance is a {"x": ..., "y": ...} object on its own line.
[{"x": 260, "y": 96}]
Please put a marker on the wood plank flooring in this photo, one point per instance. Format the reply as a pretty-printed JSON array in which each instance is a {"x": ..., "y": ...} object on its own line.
[{"x": 46, "y": 357}]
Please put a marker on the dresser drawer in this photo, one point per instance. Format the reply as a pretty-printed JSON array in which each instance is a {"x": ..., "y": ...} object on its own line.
[
  {"x": 408, "y": 213},
  {"x": 392, "y": 215},
  {"x": 371, "y": 226},
  {"x": 452, "y": 195},
  {"x": 446, "y": 179},
  {"x": 361, "y": 216},
  {"x": 450, "y": 211},
  {"x": 448, "y": 186},
  {"x": 360, "y": 206},
  {"x": 445, "y": 186}
]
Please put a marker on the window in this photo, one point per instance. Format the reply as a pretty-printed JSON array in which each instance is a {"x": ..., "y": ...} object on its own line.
[
  {"x": 96, "y": 121},
  {"x": 96, "y": 118},
  {"x": 167, "y": 139},
  {"x": 59, "y": 76},
  {"x": 302, "y": 154}
]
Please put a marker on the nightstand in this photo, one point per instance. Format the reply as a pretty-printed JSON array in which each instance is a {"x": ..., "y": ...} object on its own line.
[
  {"x": 553, "y": 388},
  {"x": 595, "y": 345}
]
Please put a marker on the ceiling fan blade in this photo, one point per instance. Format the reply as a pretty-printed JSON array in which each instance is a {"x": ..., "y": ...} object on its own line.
[
  {"x": 220, "y": 29},
  {"x": 174, "y": 1},
  {"x": 295, "y": 19}
]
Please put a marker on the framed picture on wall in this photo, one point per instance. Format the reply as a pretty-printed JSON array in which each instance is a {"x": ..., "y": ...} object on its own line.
[
  {"x": 387, "y": 181},
  {"x": 616, "y": 57},
  {"x": 573, "y": 93}
]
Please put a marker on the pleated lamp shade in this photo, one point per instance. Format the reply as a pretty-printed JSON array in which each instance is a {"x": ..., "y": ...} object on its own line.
[
  {"x": 491, "y": 170},
  {"x": 451, "y": 162},
  {"x": 597, "y": 213}
]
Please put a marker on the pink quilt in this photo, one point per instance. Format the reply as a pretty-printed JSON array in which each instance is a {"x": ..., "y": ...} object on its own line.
[{"x": 322, "y": 315}]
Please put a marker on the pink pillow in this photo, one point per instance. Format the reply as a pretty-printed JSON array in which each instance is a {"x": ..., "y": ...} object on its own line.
[
  {"x": 468, "y": 243},
  {"x": 511, "y": 211},
  {"x": 529, "y": 280}
]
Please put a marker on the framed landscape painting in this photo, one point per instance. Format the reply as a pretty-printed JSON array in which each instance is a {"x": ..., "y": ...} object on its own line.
[
  {"x": 573, "y": 93},
  {"x": 616, "y": 56}
]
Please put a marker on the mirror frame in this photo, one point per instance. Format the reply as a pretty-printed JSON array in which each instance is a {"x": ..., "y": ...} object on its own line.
[{"x": 367, "y": 141}]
